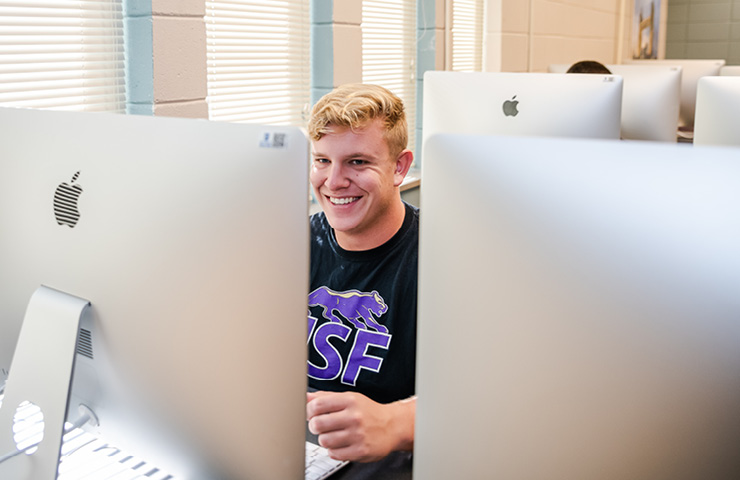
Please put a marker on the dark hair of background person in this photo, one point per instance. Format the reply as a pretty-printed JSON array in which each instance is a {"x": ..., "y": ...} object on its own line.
[{"x": 588, "y": 66}]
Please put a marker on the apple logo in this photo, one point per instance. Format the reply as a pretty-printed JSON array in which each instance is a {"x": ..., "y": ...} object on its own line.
[
  {"x": 510, "y": 107},
  {"x": 65, "y": 202}
]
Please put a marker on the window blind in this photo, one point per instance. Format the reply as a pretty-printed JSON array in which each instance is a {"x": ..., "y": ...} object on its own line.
[
  {"x": 389, "y": 51},
  {"x": 62, "y": 54},
  {"x": 467, "y": 35},
  {"x": 258, "y": 61}
]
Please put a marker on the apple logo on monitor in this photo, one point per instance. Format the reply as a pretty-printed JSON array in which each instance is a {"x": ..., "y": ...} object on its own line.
[
  {"x": 66, "y": 197},
  {"x": 509, "y": 107}
]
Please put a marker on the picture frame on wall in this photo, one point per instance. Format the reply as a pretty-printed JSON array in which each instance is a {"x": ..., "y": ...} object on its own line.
[{"x": 646, "y": 29}]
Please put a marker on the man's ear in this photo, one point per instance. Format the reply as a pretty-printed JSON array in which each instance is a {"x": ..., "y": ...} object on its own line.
[{"x": 403, "y": 164}]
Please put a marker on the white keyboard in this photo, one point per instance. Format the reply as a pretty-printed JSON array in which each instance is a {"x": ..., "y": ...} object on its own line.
[
  {"x": 84, "y": 456},
  {"x": 319, "y": 464}
]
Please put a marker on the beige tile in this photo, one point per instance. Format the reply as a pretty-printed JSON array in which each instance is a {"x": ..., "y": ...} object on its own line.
[
  {"x": 611, "y": 6},
  {"x": 515, "y": 52},
  {"x": 179, "y": 56},
  {"x": 193, "y": 109},
  {"x": 439, "y": 53},
  {"x": 179, "y": 7},
  {"x": 552, "y": 18},
  {"x": 439, "y": 12},
  {"x": 547, "y": 50},
  {"x": 347, "y": 54},
  {"x": 537, "y": 33},
  {"x": 348, "y": 12},
  {"x": 515, "y": 16}
]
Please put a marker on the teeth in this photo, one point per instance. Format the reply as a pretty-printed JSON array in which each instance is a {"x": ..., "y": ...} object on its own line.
[{"x": 342, "y": 201}]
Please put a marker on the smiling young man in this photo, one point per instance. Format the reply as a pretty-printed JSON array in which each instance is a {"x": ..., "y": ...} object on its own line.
[{"x": 364, "y": 257}]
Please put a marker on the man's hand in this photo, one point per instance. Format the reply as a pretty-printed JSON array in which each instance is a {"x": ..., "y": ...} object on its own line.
[{"x": 353, "y": 427}]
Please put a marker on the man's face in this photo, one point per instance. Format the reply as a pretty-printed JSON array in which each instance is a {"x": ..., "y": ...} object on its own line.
[{"x": 355, "y": 179}]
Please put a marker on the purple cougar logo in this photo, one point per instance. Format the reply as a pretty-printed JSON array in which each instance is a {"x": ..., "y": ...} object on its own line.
[
  {"x": 352, "y": 305},
  {"x": 324, "y": 338}
]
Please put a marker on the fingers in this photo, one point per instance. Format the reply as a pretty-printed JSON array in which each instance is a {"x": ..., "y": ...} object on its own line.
[
  {"x": 322, "y": 403},
  {"x": 328, "y": 411},
  {"x": 335, "y": 440},
  {"x": 354, "y": 427},
  {"x": 323, "y": 424},
  {"x": 318, "y": 394},
  {"x": 348, "y": 424},
  {"x": 348, "y": 445}
]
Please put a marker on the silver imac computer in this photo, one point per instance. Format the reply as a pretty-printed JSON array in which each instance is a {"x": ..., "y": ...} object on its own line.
[
  {"x": 169, "y": 259},
  {"x": 578, "y": 310},
  {"x": 691, "y": 71},
  {"x": 717, "y": 111},
  {"x": 650, "y": 100},
  {"x": 730, "y": 71},
  {"x": 531, "y": 104}
]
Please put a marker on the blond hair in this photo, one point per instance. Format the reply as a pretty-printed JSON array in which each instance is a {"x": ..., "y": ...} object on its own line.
[{"x": 354, "y": 106}]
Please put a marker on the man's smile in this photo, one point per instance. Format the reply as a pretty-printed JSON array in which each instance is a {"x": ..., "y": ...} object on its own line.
[{"x": 343, "y": 200}]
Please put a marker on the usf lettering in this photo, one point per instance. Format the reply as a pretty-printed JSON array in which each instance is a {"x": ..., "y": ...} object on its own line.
[{"x": 347, "y": 335}]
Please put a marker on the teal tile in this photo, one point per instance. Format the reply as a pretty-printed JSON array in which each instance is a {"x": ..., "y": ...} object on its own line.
[
  {"x": 137, "y": 8},
  {"x": 322, "y": 11},
  {"x": 322, "y": 58},
  {"x": 139, "y": 58}
]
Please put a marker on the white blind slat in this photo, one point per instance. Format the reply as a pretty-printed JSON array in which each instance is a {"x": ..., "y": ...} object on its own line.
[
  {"x": 76, "y": 5},
  {"x": 467, "y": 35},
  {"x": 19, "y": 89},
  {"x": 389, "y": 51},
  {"x": 261, "y": 86},
  {"x": 258, "y": 60},
  {"x": 63, "y": 68},
  {"x": 62, "y": 54}
]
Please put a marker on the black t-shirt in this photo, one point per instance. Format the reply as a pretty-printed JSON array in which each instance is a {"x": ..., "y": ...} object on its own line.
[{"x": 362, "y": 313}]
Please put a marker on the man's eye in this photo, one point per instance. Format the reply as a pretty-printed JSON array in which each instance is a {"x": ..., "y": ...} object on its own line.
[
  {"x": 321, "y": 160},
  {"x": 357, "y": 161}
]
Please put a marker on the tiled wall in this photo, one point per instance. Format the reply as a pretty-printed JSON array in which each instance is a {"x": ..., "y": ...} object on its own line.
[
  {"x": 704, "y": 29},
  {"x": 566, "y": 31},
  {"x": 166, "y": 54},
  {"x": 179, "y": 54},
  {"x": 168, "y": 50},
  {"x": 528, "y": 35},
  {"x": 337, "y": 44}
]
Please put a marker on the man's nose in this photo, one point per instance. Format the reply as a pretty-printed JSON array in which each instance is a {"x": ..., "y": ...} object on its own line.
[{"x": 337, "y": 176}]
